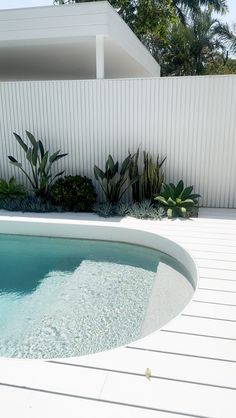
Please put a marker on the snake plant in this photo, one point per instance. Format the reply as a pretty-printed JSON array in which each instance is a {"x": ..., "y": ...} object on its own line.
[
  {"x": 149, "y": 180},
  {"x": 177, "y": 200}
]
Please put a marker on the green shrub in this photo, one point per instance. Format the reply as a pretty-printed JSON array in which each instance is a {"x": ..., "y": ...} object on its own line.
[
  {"x": 113, "y": 182},
  {"x": 11, "y": 189},
  {"x": 178, "y": 200},
  {"x": 40, "y": 162},
  {"x": 74, "y": 193}
]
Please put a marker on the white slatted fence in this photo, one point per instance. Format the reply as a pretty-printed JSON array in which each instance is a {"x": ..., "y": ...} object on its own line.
[{"x": 191, "y": 120}]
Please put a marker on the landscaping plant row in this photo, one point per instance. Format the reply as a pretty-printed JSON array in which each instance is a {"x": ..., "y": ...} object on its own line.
[{"x": 135, "y": 188}]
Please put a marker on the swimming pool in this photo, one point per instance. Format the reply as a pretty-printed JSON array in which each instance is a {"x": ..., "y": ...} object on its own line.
[{"x": 62, "y": 297}]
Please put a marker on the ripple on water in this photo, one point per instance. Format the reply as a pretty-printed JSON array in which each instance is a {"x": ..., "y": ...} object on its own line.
[{"x": 99, "y": 306}]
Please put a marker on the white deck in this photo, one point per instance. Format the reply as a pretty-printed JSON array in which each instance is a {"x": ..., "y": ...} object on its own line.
[{"x": 192, "y": 359}]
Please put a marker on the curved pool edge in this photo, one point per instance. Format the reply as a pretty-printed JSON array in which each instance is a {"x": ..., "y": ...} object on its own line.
[{"x": 94, "y": 228}]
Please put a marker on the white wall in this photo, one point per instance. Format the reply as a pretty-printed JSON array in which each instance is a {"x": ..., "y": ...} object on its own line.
[{"x": 190, "y": 119}]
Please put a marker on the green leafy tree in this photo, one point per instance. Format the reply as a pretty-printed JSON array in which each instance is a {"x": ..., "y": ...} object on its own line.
[
  {"x": 221, "y": 65},
  {"x": 181, "y": 6},
  {"x": 189, "y": 49},
  {"x": 184, "y": 7},
  {"x": 182, "y": 35}
]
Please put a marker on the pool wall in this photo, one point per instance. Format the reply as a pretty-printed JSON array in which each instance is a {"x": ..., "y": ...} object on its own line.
[{"x": 64, "y": 227}]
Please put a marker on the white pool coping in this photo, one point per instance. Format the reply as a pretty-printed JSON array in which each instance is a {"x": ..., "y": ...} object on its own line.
[{"x": 192, "y": 358}]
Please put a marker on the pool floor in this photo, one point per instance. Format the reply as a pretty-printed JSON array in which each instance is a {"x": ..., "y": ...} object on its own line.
[{"x": 66, "y": 297}]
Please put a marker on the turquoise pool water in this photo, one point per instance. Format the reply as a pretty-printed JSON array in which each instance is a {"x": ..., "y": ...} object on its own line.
[{"x": 67, "y": 297}]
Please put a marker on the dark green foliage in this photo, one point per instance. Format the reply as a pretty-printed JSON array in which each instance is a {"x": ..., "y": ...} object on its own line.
[
  {"x": 115, "y": 182},
  {"x": 134, "y": 174},
  {"x": 167, "y": 29},
  {"x": 149, "y": 180},
  {"x": 28, "y": 204},
  {"x": 152, "y": 176},
  {"x": 192, "y": 47},
  {"x": 40, "y": 162},
  {"x": 177, "y": 200},
  {"x": 11, "y": 189},
  {"x": 74, "y": 193}
]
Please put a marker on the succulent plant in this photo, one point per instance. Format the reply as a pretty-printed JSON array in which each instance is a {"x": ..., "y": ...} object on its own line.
[
  {"x": 11, "y": 189},
  {"x": 177, "y": 200},
  {"x": 104, "y": 209},
  {"x": 122, "y": 209},
  {"x": 146, "y": 210},
  {"x": 142, "y": 210}
]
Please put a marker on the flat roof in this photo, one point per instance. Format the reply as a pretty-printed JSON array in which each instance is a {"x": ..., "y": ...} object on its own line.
[{"x": 59, "y": 42}]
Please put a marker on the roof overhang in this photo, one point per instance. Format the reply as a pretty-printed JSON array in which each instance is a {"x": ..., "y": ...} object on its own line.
[{"x": 80, "y": 41}]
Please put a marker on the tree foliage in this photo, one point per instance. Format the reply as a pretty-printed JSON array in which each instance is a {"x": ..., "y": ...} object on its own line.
[
  {"x": 190, "y": 48},
  {"x": 184, "y": 36},
  {"x": 220, "y": 66},
  {"x": 183, "y": 7}
]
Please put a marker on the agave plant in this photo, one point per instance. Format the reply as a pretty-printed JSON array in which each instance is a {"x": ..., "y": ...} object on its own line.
[
  {"x": 11, "y": 189},
  {"x": 177, "y": 200},
  {"x": 113, "y": 182},
  {"x": 40, "y": 162}
]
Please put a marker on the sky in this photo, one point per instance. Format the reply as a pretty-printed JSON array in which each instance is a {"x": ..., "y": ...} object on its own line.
[{"x": 9, "y": 4}]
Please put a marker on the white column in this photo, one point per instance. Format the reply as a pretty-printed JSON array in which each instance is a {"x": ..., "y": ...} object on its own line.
[{"x": 99, "y": 56}]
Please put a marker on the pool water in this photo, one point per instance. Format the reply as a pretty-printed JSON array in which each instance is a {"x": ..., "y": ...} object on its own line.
[{"x": 68, "y": 297}]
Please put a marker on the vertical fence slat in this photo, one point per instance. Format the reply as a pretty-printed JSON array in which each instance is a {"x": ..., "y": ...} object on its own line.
[{"x": 191, "y": 120}]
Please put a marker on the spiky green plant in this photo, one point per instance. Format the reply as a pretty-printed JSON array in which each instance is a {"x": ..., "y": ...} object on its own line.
[
  {"x": 149, "y": 180},
  {"x": 177, "y": 200},
  {"x": 40, "y": 162},
  {"x": 11, "y": 189},
  {"x": 134, "y": 174},
  {"x": 152, "y": 176},
  {"x": 113, "y": 182}
]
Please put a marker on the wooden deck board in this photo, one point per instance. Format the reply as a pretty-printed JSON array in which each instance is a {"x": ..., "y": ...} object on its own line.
[{"x": 192, "y": 359}]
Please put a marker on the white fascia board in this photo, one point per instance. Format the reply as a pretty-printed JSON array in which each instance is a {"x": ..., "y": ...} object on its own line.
[
  {"x": 53, "y": 22},
  {"x": 69, "y": 23},
  {"x": 120, "y": 32}
]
